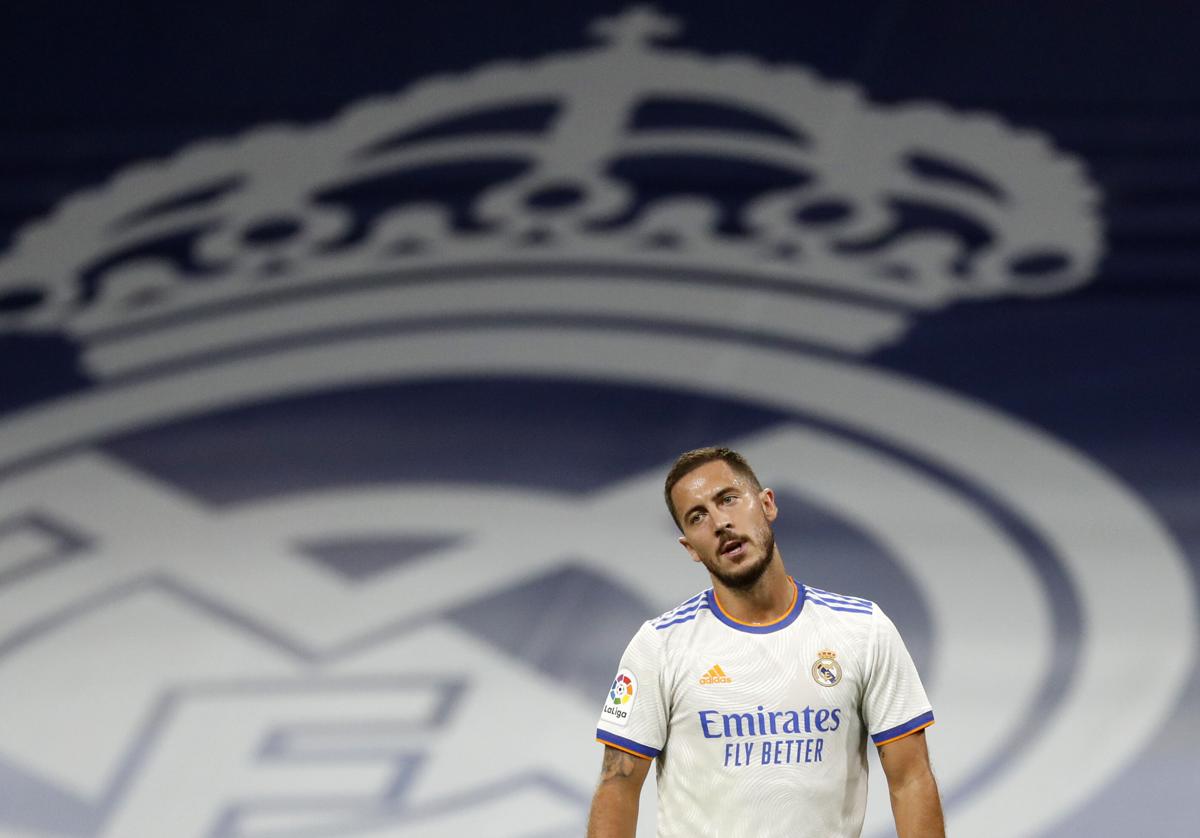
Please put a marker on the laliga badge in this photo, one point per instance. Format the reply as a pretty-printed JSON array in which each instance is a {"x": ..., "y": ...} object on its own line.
[
  {"x": 620, "y": 698},
  {"x": 827, "y": 671}
]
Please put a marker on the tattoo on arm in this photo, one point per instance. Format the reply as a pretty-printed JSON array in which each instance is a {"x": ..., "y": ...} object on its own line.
[{"x": 617, "y": 764}]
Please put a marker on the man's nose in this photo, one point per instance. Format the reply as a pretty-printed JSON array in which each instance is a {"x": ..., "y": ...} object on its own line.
[{"x": 721, "y": 520}]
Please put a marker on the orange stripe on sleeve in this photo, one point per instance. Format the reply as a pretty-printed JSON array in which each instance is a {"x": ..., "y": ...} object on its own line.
[
  {"x": 626, "y": 750},
  {"x": 902, "y": 735}
]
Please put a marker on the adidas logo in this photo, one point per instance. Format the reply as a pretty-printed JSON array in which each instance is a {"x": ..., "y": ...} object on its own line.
[{"x": 716, "y": 675}]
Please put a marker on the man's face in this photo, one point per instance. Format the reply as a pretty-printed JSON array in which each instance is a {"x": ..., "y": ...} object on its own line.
[{"x": 726, "y": 523}]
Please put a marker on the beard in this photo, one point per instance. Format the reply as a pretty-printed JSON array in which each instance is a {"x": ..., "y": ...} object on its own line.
[{"x": 745, "y": 577}]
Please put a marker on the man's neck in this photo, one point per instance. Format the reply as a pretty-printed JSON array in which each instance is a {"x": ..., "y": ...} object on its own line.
[{"x": 766, "y": 601}]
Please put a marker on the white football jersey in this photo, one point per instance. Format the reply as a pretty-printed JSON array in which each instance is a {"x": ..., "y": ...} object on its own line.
[{"x": 762, "y": 730}]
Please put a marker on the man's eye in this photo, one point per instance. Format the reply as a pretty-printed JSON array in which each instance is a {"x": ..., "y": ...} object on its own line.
[
  {"x": 696, "y": 516},
  {"x": 728, "y": 499}
]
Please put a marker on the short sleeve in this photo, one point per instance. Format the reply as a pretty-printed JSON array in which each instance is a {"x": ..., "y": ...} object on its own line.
[
  {"x": 894, "y": 701},
  {"x": 634, "y": 716}
]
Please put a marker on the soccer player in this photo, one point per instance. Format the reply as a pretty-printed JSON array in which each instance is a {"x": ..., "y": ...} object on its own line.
[{"x": 756, "y": 697}]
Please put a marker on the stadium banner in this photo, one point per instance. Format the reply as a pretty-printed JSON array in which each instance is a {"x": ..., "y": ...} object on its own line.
[{"x": 343, "y": 352}]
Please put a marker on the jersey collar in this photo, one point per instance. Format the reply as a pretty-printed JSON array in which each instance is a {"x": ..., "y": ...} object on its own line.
[{"x": 783, "y": 622}]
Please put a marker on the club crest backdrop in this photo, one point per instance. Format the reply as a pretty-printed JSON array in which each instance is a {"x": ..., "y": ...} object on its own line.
[{"x": 344, "y": 350}]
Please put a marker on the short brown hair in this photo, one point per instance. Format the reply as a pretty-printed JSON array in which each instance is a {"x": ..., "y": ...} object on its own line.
[{"x": 689, "y": 461}]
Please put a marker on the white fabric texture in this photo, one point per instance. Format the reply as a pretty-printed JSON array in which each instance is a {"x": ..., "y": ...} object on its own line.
[{"x": 762, "y": 730}]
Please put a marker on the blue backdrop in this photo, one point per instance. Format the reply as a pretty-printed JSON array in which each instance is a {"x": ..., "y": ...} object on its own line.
[{"x": 343, "y": 349}]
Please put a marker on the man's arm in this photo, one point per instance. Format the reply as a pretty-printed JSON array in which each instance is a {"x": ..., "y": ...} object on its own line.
[
  {"x": 915, "y": 802},
  {"x": 615, "y": 803}
]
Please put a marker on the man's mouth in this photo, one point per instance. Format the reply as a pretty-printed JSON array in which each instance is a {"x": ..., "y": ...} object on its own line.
[{"x": 733, "y": 549}]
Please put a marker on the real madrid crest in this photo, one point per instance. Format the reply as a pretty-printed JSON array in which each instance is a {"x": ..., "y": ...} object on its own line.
[
  {"x": 827, "y": 671},
  {"x": 506, "y": 224}
]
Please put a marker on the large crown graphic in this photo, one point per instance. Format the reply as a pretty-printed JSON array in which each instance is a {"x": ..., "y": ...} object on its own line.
[{"x": 599, "y": 182}]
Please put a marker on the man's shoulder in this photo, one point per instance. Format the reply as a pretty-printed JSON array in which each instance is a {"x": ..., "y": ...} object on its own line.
[
  {"x": 853, "y": 607},
  {"x": 683, "y": 613},
  {"x": 850, "y": 619}
]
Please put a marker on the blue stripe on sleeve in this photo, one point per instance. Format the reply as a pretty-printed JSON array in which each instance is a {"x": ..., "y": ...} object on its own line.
[
  {"x": 683, "y": 620},
  {"x": 848, "y": 600},
  {"x": 680, "y": 611},
  {"x": 852, "y": 609},
  {"x": 682, "y": 608},
  {"x": 899, "y": 730},
  {"x": 628, "y": 744}
]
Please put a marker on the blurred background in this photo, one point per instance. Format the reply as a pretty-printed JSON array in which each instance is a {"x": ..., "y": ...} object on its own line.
[{"x": 344, "y": 348}]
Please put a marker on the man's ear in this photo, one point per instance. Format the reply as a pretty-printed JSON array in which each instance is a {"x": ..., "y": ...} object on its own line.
[
  {"x": 767, "y": 498},
  {"x": 687, "y": 545}
]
